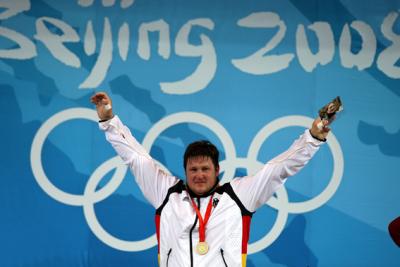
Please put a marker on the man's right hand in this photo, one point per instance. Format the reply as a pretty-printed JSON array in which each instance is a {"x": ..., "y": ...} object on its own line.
[{"x": 103, "y": 105}]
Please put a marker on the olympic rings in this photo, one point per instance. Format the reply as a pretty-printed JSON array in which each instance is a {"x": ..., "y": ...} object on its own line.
[{"x": 228, "y": 166}]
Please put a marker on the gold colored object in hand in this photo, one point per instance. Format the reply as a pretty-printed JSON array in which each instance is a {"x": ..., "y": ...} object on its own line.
[{"x": 330, "y": 109}]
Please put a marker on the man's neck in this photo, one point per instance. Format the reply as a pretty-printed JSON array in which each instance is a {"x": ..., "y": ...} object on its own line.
[{"x": 206, "y": 194}]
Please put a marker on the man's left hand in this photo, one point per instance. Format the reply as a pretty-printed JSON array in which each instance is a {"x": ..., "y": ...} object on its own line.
[{"x": 321, "y": 132}]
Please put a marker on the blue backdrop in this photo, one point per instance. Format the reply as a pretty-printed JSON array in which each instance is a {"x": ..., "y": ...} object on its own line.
[{"x": 248, "y": 75}]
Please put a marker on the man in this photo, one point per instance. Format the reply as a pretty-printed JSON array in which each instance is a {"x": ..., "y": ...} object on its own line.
[{"x": 203, "y": 223}]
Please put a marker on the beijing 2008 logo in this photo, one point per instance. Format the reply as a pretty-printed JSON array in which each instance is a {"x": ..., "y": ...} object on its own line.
[{"x": 228, "y": 166}]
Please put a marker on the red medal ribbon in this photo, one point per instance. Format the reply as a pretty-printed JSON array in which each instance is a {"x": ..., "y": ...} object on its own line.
[{"x": 203, "y": 222}]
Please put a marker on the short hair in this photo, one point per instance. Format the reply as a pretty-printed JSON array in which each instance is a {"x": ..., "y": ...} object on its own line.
[{"x": 202, "y": 148}]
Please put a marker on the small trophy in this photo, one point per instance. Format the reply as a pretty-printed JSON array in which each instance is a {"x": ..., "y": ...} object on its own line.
[{"x": 328, "y": 111}]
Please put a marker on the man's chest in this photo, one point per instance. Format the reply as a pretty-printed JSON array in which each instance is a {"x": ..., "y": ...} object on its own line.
[{"x": 180, "y": 219}]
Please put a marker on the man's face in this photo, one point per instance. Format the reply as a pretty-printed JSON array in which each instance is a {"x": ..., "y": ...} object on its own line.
[{"x": 201, "y": 174}]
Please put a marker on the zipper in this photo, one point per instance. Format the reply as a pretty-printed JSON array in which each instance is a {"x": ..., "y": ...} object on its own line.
[
  {"x": 223, "y": 258},
  {"x": 190, "y": 235},
  {"x": 169, "y": 253}
]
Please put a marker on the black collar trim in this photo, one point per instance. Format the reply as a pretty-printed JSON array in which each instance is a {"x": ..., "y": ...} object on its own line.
[{"x": 209, "y": 193}]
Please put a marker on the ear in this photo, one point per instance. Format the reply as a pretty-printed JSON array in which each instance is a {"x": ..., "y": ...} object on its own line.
[{"x": 217, "y": 171}]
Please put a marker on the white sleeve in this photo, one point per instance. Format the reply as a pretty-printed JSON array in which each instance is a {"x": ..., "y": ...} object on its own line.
[
  {"x": 153, "y": 182},
  {"x": 255, "y": 190}
]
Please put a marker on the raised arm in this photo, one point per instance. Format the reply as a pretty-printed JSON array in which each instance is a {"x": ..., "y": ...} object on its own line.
[
  {"x": 153, "y": 182},
  {"x": 255, "y": 190}
]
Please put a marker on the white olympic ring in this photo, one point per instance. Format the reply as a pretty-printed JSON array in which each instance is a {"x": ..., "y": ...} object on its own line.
[
  {"x": 229, "y": 165},
  {"x": 90, "y": 196},
  {"x": 37, "y": 167},
  {"x": 299, "y": 207},
  {"x": 324, "y": 196},
  {"x": 201, "y": 119}
]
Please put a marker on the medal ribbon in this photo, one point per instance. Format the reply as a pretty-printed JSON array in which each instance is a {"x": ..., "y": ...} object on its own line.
[{"x": 203, "y": 222}]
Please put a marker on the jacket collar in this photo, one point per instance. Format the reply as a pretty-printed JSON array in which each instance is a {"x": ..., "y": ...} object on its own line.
[{"x": 209, "y": 193}]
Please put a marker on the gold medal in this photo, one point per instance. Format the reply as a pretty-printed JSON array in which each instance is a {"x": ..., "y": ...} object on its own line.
[{"x": 202, "y": 248}]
